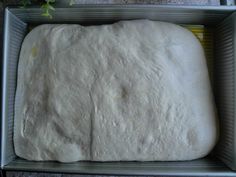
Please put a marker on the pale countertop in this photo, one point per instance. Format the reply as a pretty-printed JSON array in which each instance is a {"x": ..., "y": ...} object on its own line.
[{"x": 173, "y": 2}]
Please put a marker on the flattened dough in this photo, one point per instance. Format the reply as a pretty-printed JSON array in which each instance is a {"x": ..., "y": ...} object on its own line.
[{"x": 134, "y": 90}]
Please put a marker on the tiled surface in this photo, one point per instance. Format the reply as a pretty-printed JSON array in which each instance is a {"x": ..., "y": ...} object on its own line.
[{"x": 178, "y": 2}]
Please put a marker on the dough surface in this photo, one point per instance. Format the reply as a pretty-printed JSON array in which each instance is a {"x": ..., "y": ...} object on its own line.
[{"x": 133, "y": 90}]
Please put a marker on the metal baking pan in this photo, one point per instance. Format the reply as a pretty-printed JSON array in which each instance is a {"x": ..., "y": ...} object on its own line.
[{"x": 221, "y": 19}]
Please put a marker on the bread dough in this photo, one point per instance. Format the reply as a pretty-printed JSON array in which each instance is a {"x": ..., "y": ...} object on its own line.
[{"x": 133, "y": 90}]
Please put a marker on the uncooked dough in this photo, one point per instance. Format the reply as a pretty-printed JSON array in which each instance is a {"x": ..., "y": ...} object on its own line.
[{"x": 133, "y": 90}]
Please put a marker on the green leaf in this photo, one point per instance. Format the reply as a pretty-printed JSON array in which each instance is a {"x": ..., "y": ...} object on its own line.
[
  {"x": 47, "y": 7},
  {"x": 24, "y": 3},
  {"x": 71, "y": 2},
  {"x": 44, "y": 6},
  {"x": 46, "y": 14},
  {"x": 50, "y": 7}
]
